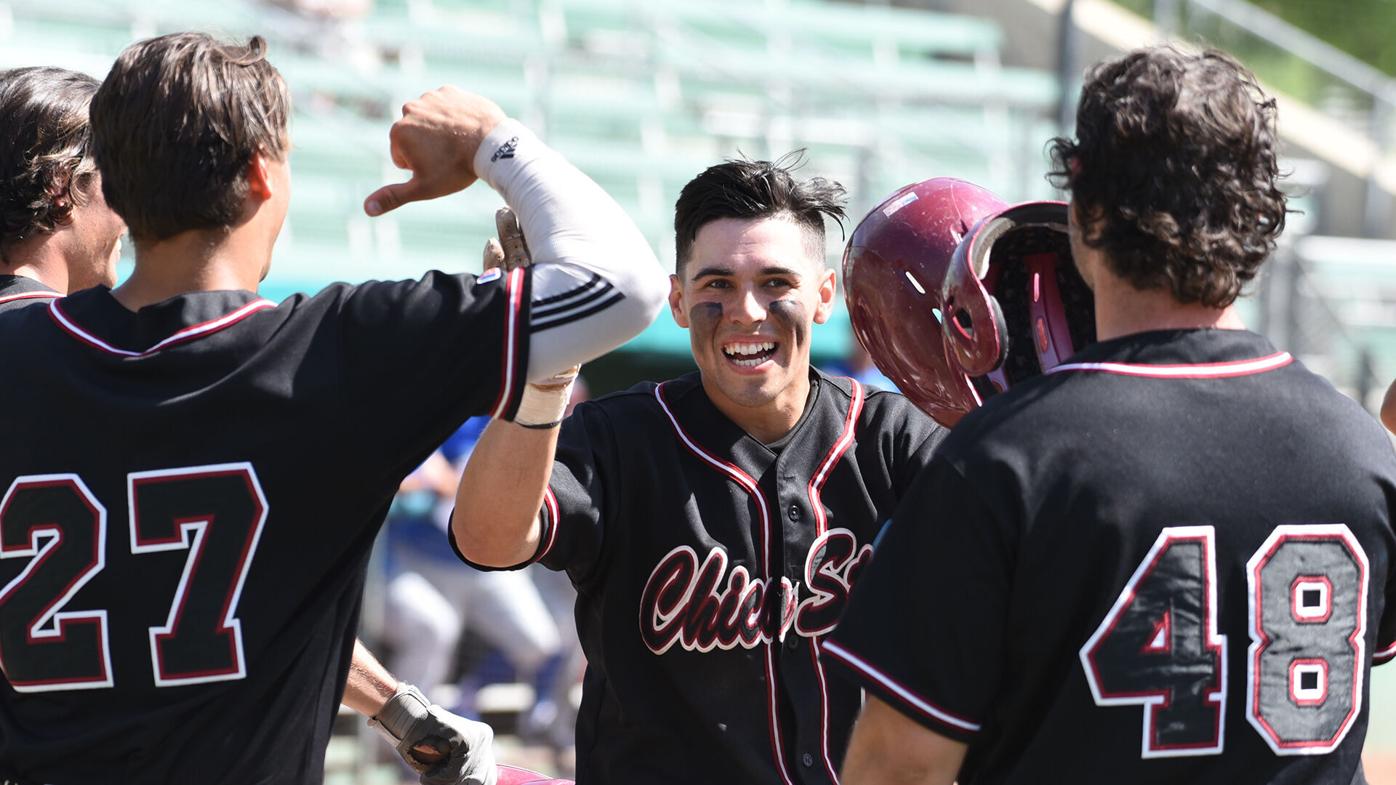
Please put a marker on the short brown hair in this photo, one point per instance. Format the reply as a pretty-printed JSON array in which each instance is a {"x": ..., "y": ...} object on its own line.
[
  {"x": 1175, "y": 164},
  {"x": 756, "y": 189},
  {"x": 45, "y": 149},
  {"x": 176, "y": 123}
]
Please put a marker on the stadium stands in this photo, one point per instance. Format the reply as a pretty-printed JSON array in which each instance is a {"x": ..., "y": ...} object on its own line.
[
  {"x": 1345, "y": 309},
  {"x": 641, "y": 94}
]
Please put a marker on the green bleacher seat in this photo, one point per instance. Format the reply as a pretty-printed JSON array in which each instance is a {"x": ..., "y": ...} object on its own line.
[
  {"x": 489, "y": 37},
  {"x": 82, "y": 12},
  {"x": 639, "y": 94},
  {"x": 95, "y": 37},
  {"x": 913, "y": 31}
]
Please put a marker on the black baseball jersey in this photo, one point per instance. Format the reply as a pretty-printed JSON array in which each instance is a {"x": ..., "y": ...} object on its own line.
[
  {"x": 1169, "y": 561},
  {"x": 709, "y": 565},
  {"x": 18, "y": 290},
  {"x": 190, "y": 496}
]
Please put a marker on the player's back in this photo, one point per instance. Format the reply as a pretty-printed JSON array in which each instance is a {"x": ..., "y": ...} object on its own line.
[
  {"x": 192, "y": 493},
  {"x": 1201, "y": 539}
]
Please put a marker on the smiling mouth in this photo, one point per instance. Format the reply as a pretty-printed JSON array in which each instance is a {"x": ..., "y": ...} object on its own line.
[{"x": 749, "y": 355}]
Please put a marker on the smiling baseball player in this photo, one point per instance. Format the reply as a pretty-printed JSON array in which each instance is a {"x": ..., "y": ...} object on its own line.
[{"x": 713, "y": 524}]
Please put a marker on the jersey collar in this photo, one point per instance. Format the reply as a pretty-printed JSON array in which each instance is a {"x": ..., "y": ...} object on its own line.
[
  {"x": 823, "y": 419},
  {"x": 95, "y": 318},
  {"x": 710, "y": 429},
  {"x": 1180, "y": 354},
  {"x": 19, "y": 288}
]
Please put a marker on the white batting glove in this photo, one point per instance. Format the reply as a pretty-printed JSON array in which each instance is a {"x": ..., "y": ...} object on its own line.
[{"x": 443, "y": 748}]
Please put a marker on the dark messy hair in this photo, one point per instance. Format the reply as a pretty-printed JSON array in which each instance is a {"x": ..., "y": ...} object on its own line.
[
  {"x": 1174, "y": 168},
  {"x": 45, "y": 143},
  {"x": 756, "y": 189},
  {"x": 175, "y": 125}
]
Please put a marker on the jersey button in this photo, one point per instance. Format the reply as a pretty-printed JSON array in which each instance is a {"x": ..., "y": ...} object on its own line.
[
  {"x": 794, "y": 512},
  {"x": 807, "y": 759}
]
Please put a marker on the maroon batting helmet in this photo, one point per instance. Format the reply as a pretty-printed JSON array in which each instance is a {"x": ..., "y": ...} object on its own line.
[{"x": 957, "y": 295}]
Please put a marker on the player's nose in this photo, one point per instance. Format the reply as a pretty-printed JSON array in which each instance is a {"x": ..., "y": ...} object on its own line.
[{"x": 748, "y": 308}]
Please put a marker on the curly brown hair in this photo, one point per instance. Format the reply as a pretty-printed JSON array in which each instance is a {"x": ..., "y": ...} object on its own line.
[
  {"x": 1174, "y": 170},
  {"x": 45, "y": 142}
]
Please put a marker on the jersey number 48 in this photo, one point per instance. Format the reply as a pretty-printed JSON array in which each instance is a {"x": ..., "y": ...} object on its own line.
[
  {"x": 1158, "y": 646},
  {"x": 59, "y": 528}
]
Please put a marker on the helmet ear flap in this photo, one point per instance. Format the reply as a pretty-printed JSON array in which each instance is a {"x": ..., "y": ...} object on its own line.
[
  {"x": 894, "y": 272},
  {"x": 984, "y": 339},
  {"x": 1001, "y": 327},
  {"x": 995, "y": 382},
  {"x": 975, "y": 335}
]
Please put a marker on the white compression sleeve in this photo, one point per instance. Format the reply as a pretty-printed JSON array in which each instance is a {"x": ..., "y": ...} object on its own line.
[{"x": 593, "y": 272}]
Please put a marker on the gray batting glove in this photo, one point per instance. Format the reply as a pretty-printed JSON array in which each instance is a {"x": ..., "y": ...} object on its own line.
[
  {"x": 442, "y": 747},
  {"x": 509, "y": 250}
]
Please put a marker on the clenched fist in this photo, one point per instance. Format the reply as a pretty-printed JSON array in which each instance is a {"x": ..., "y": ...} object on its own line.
[{"x": 436, "y": 141}]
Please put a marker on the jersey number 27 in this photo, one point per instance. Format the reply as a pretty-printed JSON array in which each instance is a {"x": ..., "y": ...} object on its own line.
[
  {"x": 1159, "y": 647},
  {"x": 59, "y": 528}
]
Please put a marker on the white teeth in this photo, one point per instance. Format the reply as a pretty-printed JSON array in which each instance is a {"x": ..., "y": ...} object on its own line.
[
  {"x": 750, "y": 354},
  {"x": 748, "y": 348}
]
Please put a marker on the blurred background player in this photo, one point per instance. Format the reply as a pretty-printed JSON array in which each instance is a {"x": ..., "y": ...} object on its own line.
[
  {"x": 207, "y": 508},
  {"x": 1169, "y": 559},
  {"x": 858, "y": 364},
  {"x": 713, "y": 524},
  {"x": 429, "y": 596},
  {"x": 432, "y": 600},
  {"x": 61, "y": 236}
]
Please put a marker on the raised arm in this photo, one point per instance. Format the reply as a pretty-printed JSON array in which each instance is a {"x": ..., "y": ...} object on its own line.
[
  {"x": 502, "y": 529},
  {"x": 596, "y": 283},
  {"x": 495, "y": 523}
]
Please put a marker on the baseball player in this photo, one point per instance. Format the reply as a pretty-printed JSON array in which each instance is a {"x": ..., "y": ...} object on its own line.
[
  {"x": 712, "y": 524},
  {"x": 430, "y": 599},
  {"x": 59, "y": 233},
  {"x": 165, "y": 564},
  {"x": 56, "y": 232},
  {"x": 1167, "y": 559}
]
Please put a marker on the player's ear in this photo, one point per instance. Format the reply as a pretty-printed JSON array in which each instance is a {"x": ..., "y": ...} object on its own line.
[
  {"x": 828, "y": 289},
  {"x": 676, "y": 301},
  {"x": 258, "y": 174}
]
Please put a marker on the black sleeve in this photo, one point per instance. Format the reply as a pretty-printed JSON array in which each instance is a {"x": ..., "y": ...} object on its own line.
[
  {"x": 924, "y": 629},
  {"x": 575, "y": 506},
  {"x": 1386, "y": 629},
  {"x": 419, "y": 357},
  {"x": 1385, "y": 650}
]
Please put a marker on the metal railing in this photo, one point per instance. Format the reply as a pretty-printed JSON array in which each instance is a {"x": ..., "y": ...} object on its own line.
[
  {"x": 1299, "y": 64},
  {"x": 1340, "y": 333}
]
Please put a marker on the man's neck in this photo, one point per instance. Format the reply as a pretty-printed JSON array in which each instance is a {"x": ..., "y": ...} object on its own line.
[
  {"x": 1121, "y": 309},
  {"x": 189, "y": 262},
  {"x": 39, "y": 259},
  {"x": 769, "y": 422}
]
